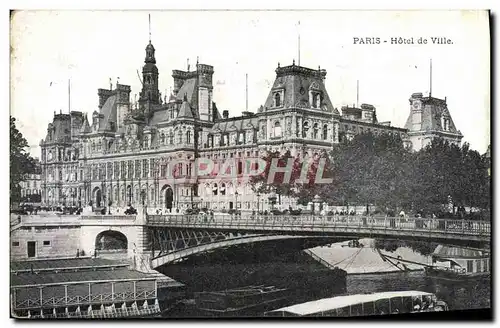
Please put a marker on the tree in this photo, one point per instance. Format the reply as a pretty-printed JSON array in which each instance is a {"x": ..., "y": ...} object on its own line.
[
  {"x": 261, "y": 184},
  {"x": 21, "y": 163},
  {"x": 370, "y": 170},
  {"x": 295, "y": 187}
]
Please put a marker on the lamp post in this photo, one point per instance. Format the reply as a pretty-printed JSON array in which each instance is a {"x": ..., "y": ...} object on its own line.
[{"x": 258, "y": 203}]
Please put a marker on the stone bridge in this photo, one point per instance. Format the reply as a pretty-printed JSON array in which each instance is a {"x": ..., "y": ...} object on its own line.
[
  {"x": 176, "y": 237},
  {"x": 151, "y": 241}
]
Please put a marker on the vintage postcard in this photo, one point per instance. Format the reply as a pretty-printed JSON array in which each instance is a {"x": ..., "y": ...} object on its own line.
[{"x": 264, "y": 163}]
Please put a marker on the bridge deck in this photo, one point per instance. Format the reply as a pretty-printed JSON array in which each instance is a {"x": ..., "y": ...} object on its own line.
[{"x": 439, "y": 229}]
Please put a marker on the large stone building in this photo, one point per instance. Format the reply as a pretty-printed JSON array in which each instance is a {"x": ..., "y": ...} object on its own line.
[
  {"x": 124, "y": 155},
  {"x": 31, "y": 186}
]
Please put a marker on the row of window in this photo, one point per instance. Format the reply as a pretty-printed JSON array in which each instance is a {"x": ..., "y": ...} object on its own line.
[
  {"x": 315, "y": 99},
  {"x": 316, "y": 132},
  {"x": 17, "y": 244},
  {"x": 60, "y": 155},
  {"x": 231, "y": 139},
  {"x": 29, "y": 192},
  {"x": 361, "y": 129}
]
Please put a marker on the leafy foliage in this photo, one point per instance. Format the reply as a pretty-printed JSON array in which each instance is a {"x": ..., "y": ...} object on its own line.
[
  {"x": 21, "y": 163},
  {"x": 380, "y": 170},
  {"x": 423, "y": 248}
]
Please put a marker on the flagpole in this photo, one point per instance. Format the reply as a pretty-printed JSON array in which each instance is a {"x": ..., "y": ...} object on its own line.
[
  {"x": 69, "y": 95},
  {"x": 357, "y": 94},
  {"x": 299, "y": 41},
  {"x": 246, "y": 92},
  {"x": 430, "y": 79}
]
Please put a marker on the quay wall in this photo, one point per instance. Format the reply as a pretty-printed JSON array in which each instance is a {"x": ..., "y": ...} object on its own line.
[{"x": 49, "y": 241}]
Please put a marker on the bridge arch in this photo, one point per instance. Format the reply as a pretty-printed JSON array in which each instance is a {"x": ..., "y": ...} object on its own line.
[
  {"x": 111, "y": 240},
  {"x": 220, "y": 242}
]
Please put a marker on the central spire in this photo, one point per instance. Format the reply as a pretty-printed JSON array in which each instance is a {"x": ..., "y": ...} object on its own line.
[{"x": 150, "y": 50}]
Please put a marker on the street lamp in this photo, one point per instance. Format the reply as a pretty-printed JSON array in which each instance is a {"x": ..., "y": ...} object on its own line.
[{"x": 258, "y": 203}]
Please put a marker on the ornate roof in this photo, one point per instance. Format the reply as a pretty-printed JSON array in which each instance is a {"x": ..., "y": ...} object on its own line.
[{"x": 296, "y": 82}]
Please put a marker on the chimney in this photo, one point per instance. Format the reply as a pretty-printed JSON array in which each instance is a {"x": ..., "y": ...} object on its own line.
[{"x": 225, "y": 114}]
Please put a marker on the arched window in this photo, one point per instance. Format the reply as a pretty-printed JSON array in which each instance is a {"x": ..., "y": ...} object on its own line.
[
  {"x": 162, "y": 138},
  {"x": 325, "y": 132},
  {"x": 277, "y": 129},
  {"x": 277, "y": 99},
  {"x": 171, "y": 138},
  {"x": 99, "y": 145},
  {"x": 215, "y": 189},
  {"x": 305, "y": 129},
  {"x": 315, "y": 131},
  {"x": 188, "y": 137},
  {"x": 93, "y": 146},
  {"x": 223, "y": 189},
  {"x": 180, "y": 137},
  {"x": 180, "y": 169}
]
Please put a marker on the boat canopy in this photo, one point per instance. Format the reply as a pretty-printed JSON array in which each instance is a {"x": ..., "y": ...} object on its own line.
[
  {"x": 338, "y": 302},
  {"x": 443, "y": 252}
]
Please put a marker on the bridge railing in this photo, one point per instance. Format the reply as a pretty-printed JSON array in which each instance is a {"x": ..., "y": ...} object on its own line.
[
  {"x": 109, "y": 217},
  {"x": 316, "y": 222}
]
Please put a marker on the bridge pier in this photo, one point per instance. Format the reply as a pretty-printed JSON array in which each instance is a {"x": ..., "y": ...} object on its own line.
[{"x": 140, "y": 254}]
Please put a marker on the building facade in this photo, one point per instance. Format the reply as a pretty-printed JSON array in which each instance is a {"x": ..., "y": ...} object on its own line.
[
  {"x": 143, "y": 152},
  {"x": 31, "y": 186}
]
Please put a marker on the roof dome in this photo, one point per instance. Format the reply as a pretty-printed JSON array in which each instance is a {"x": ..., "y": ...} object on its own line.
[{"x": 150, "y": 46}]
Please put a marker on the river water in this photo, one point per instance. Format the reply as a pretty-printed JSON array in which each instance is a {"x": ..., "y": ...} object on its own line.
[{"x": 368, "y": 273}]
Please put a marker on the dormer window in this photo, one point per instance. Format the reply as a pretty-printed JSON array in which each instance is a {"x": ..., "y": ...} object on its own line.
[
  {"x": 315, "y": 100},
  {"x": 446, "y": 123},
  {"x": 277, "y": 99},
  {"x": 277, "y": 130}
]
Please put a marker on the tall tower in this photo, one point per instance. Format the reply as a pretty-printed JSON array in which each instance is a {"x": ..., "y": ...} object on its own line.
[{"x": 150, "y": 94}]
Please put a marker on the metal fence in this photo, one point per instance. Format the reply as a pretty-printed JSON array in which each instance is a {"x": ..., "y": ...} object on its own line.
[{"x": 312, "y": 223}]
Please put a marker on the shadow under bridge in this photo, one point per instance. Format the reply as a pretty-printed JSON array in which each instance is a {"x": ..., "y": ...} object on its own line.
[{"x": 173, "y": 245}]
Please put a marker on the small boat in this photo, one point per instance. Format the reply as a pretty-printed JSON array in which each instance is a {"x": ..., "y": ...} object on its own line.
[
  {"x": 457, "y": 264},
  {"x": 364, "y": 305},
  {"x": 250, "y": 299}
]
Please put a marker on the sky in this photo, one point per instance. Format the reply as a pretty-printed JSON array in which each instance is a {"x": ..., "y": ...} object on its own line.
[{"x": 89, "y": 47}]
